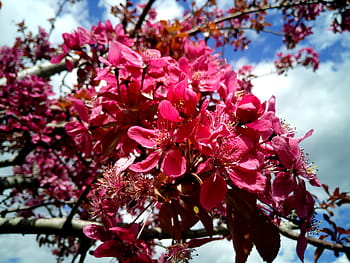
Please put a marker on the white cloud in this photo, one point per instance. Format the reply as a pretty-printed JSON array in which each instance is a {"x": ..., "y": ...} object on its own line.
[
  {"x": 38, "y": 12},
  {"x": 168, "y": 10},
  {"x": 324, "y": 38},
  {"x": 316, "y": 101},
  {"x": 107, "y": 4},
  {"x": 34, "y": 13},
  {"x": 25, "y": 249}
]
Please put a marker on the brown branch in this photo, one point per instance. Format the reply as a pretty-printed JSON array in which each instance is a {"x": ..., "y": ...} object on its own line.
[
  {"x": 18, "y": 225},
  {"x": 59, "y": 11},
  {"x": 21, "y": 156},
  {"x": 28, "y": 208},
  {"x": 142, "y": 17},
  {"x": 75, "y": 208},
  {"x": 198, "y": 29},
  {"x": 43, "y": 70},
  {"x": 7, "y": 182}
]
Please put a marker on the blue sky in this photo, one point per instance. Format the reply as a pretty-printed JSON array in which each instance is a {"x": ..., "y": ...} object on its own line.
[{"x": 306, "y": 100}]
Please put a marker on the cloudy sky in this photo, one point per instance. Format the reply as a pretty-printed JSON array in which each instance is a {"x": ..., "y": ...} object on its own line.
[{"x": 306, "y": 100}]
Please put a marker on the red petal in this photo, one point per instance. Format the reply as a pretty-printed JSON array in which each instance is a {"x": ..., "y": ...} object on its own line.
[
  {"x": 169, "y": 112},
  {"x": 145, "y": 137},
  {"x": 213, "y": 191},
  {"x": 69, "y": 65},
  {"x": 174, "y": 164},
  {"x": 110, "y": 248},
  {"x": 97, "y": 232},
  {"x": 149, "y": 163}
]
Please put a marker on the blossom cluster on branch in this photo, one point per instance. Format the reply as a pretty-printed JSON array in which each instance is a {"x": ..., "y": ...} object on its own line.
[
  {"x": 189, "y": 143},
  {"x": 160, "y": 127}
]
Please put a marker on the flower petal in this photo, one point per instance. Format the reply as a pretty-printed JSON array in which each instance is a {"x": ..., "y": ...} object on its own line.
[
  {"x": 169, "y": 112},
  {"x": 145, "y": 137},
  {"x": 174, "y": 163},
  {"x": 146, "y": 165},
  {"x": 213, "y": 191}
]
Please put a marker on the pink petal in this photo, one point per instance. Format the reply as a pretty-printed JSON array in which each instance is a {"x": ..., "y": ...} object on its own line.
[
  {"x": 253, "y": 182},
  {"x": 174, "y": 164},
  {"x": 110, "y": 248},
  {"x": 169, "y": 112},
  {"x": 97, "y": 232},
  {"x": 146, "y": 165},
  {"x": 69, "y": 65},
  {"x": 120, "y": 53},
  {"x": 58, "y": 59},
  {"x": 82, "y": 110},
  {"x": 287, "y": 150},
  {"x": 213, "y": 191},
  {"x": 283, "y": 185},
  {"x": 145, "y": 137}
]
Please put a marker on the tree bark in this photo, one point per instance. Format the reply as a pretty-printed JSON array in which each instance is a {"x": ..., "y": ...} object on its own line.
[
  {"x": 7, "y": 182},
  {"x": 43, "y": 70},
  {"x": 55, "y": 226}
]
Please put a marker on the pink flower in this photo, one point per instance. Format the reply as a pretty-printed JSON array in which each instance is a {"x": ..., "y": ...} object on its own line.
[
  {"x": 120, "y": 55},
  {"x": 249, "y": 109},
  {"x": 181, "y": 103},
  {"x": 162, "y": 142},
  {"x": 120, "y": 243}
]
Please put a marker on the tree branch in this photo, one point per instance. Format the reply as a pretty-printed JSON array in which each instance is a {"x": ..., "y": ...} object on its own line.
[
  {"x": 19, "y": 225},
  {"x": 315, "y": 241},
  {"x": 7, "y": 182},
  {"x": 43, "y": 70},
  {"x": 198, "y": 29},
  {"x": 142, "y": 17}
]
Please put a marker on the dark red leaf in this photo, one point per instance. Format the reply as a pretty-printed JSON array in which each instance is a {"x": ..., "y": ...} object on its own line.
[
  {"x": 318, "y": 253},
  {"x": 175, "y": 219},
  {"x": 169, "y": 221},
  {"x": 110, "y": 248},
  {"x": 301, "y": 247},
  {"x": 241, "y": 207},
  {"x": 266, "y": 237}
]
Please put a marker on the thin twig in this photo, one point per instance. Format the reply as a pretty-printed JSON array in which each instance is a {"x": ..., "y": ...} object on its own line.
[
  {"x": 142, "y": 18},
  {"x": 197, "y": 29}
]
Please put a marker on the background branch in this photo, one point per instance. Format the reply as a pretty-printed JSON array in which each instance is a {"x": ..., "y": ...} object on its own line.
[
  {"x": 199, "y": 28},
  {"x": 19, "y": 225},
  {"x": 7, "y": 182}
]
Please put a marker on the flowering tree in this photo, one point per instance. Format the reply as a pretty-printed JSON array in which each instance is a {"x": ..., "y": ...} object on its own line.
[{"x": 161, "y": 128}]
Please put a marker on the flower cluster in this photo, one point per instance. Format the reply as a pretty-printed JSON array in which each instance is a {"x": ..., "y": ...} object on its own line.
[
  {"x": 32, "y": 127},
  {"x": 184, "y": 135},
  {"x": 306, "y": 57}
]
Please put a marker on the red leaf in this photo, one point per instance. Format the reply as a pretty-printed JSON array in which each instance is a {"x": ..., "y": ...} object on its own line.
[
  {"x": 266, "y": 237},
  {"x": 318, "y": 253},
  {"x": 301, "y": 246},
  {"x": 242, "y": 239},
  {"x": 241, "y": 207},
  {"x": 213, "y": 191},
  {"x": 175, "y": 219},
  {"x": 169, "y": 221}
]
